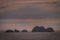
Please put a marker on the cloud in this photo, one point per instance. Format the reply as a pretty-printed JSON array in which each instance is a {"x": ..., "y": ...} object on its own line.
[
  {"x": 30, "y": 9},
  {"x": 16, "y": 4},
  {"x": 2, "y": 6},
  {"x": 58, "y": 24},
  {"x": 30, "y": 12},
  {"x": 56, "y": 3}
]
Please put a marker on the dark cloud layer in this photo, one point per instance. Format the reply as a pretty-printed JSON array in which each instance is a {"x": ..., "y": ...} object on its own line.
[
  {"x": 30, "y": 12},
  {"x": 54, "y": 3}
]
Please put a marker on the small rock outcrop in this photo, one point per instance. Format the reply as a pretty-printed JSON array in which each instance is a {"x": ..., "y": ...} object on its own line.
[
  {"x": 49, "y": 30},
  {"x": 16, "y": 30},
  {"x": 9, "y": 31},
  {"x": 24, "y": 31}
]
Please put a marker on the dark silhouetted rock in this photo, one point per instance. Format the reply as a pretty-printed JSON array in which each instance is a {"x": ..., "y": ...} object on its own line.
[
  {"x": 9, "y": 31},
  {"x": 38, "y": 29},
  {"x": 49, "y": 30},
  {"x": 42, "y": 29},
  {"x": 16, "y": 30},
  {"x": 24, "y": 31}
]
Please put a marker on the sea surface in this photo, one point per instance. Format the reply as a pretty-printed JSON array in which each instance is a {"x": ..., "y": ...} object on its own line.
[{"x": 30, "y": 36}]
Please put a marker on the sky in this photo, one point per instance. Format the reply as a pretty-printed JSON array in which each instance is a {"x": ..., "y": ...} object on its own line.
[{"x": 26, "y": 14}]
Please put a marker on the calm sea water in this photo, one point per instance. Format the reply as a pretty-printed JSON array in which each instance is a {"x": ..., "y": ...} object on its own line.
[{"x": 30, "y": 36}]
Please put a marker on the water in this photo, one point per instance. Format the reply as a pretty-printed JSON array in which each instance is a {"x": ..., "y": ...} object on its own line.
[{"x": 30, "y": 36}]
